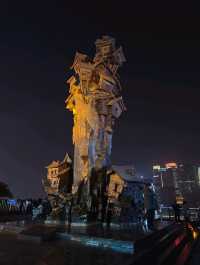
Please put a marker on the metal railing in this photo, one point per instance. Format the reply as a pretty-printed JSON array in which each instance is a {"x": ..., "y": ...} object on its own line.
[{"x": 167, "y": 213}]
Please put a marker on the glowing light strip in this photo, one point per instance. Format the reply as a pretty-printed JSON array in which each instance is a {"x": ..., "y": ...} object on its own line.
[{"x": 116, "y": 245}]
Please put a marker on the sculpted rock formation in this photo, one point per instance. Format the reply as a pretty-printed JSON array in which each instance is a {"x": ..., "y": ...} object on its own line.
[{"x": 96, "y": 102}]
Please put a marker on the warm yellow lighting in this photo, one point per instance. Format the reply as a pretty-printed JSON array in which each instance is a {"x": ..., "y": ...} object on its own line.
[
  {"x": 74, "y": 111},
  {"x": 156, "y": 167},
  {"x": 171, "y": 165},
  {"x": 194, "y": 234},
  {"x": 179, "y": 199}
]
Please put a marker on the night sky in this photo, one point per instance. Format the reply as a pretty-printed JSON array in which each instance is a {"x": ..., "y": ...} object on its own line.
[{"x": 161, "y": 83}]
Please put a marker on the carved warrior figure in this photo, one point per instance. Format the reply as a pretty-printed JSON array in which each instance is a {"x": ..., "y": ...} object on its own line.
[{"x": 95, "y": 100}]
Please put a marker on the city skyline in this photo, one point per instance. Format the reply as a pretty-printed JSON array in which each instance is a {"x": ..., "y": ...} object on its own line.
[{"x": 178, "y": 182}]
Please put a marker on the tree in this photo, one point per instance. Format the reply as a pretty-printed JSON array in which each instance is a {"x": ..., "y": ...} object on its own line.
[{"x": 4, "y": 190}]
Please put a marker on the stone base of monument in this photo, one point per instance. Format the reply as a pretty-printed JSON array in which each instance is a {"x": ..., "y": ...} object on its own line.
[
  {"x": 39, "y": 233},
  {"x": 72, "y": 224},
  {"x": 54, "y": 221},
  {"x": 77, "y": 221}
]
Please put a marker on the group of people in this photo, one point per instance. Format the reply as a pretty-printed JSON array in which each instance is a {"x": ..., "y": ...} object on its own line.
[
  {"x": 25, "y": 206},
  {"x": 139, "y": 205},
  {"x": 39, "y": 208},
  {"x": 151, "y": 205},
  {"x": 181, "y": 212}
]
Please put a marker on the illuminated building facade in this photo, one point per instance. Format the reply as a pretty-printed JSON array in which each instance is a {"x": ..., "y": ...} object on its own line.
[
  {"x": 199, "y": 176},
  {"x": 59, "y": 176},
  {"x": 120, "y": 177},
  {"x": 177, "y": 182}
]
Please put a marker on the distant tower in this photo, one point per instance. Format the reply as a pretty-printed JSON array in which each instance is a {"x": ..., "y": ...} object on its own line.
[{"x": 96, "y": 102}]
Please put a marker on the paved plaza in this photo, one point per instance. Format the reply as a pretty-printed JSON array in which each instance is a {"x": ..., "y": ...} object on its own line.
[
  {"x": 22, "y": 252},
  {"x": 93, "y": 245},
  {"x": 18, "y": 252}
]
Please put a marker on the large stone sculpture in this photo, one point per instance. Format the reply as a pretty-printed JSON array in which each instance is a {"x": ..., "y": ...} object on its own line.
[
  {"x": 96, "y": 102},
  {"x": 100, "y": 191}
]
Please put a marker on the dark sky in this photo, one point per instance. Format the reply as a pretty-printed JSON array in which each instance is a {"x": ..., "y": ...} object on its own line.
[{"x": 161, "y": 82}]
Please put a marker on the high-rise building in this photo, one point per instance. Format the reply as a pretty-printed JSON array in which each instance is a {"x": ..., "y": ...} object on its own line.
[
  {"x": 198, "y": 176},
  {"x": 164, "y": 177},
  {"x": 177, "y": 182},
  {"x": 187, "y": 177}
]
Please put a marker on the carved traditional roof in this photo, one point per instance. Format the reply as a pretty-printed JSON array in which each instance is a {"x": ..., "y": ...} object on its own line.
[
  {"x": 54, "y": 164},
  {"x": 72, "y": 79},
  {"x": 105, "y": 41},
  {"x": 79, "y": 57},
  {"x": 57, "y": 163},
  {"x": 119, "y": 56},
  {"x": 67, "y": 159}
]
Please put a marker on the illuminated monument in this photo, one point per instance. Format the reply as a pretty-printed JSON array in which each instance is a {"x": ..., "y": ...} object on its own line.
[
  {"x": 96, "y": 102},
  {"x": 92, "y": 189}
]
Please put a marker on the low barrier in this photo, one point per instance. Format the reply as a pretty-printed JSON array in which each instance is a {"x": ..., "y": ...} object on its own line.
[
  {"x": 167, "y": 213},
  {"x": 170, "y": 246},
  {"x": 12, "y": 207}
]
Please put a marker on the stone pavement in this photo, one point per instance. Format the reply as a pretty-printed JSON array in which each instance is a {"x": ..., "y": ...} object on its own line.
[
  {"x": 195, "y": 255},
  {"x": 20, "y": 252},
  {"x": 77, "y": 254},
  {"x": 64, "y": 252},
  {"x": 127, "y": 232}
]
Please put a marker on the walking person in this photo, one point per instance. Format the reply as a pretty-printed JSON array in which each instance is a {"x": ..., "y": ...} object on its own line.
[
  {"x": 198, "y": 217},
  {"x": 150, "y": 205},
  {"x": 20, "y": 206},
  {"x": 177, "y": 212},
  {"x": 69, "y": 214},
  {"x": 109, "y": 214}
]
